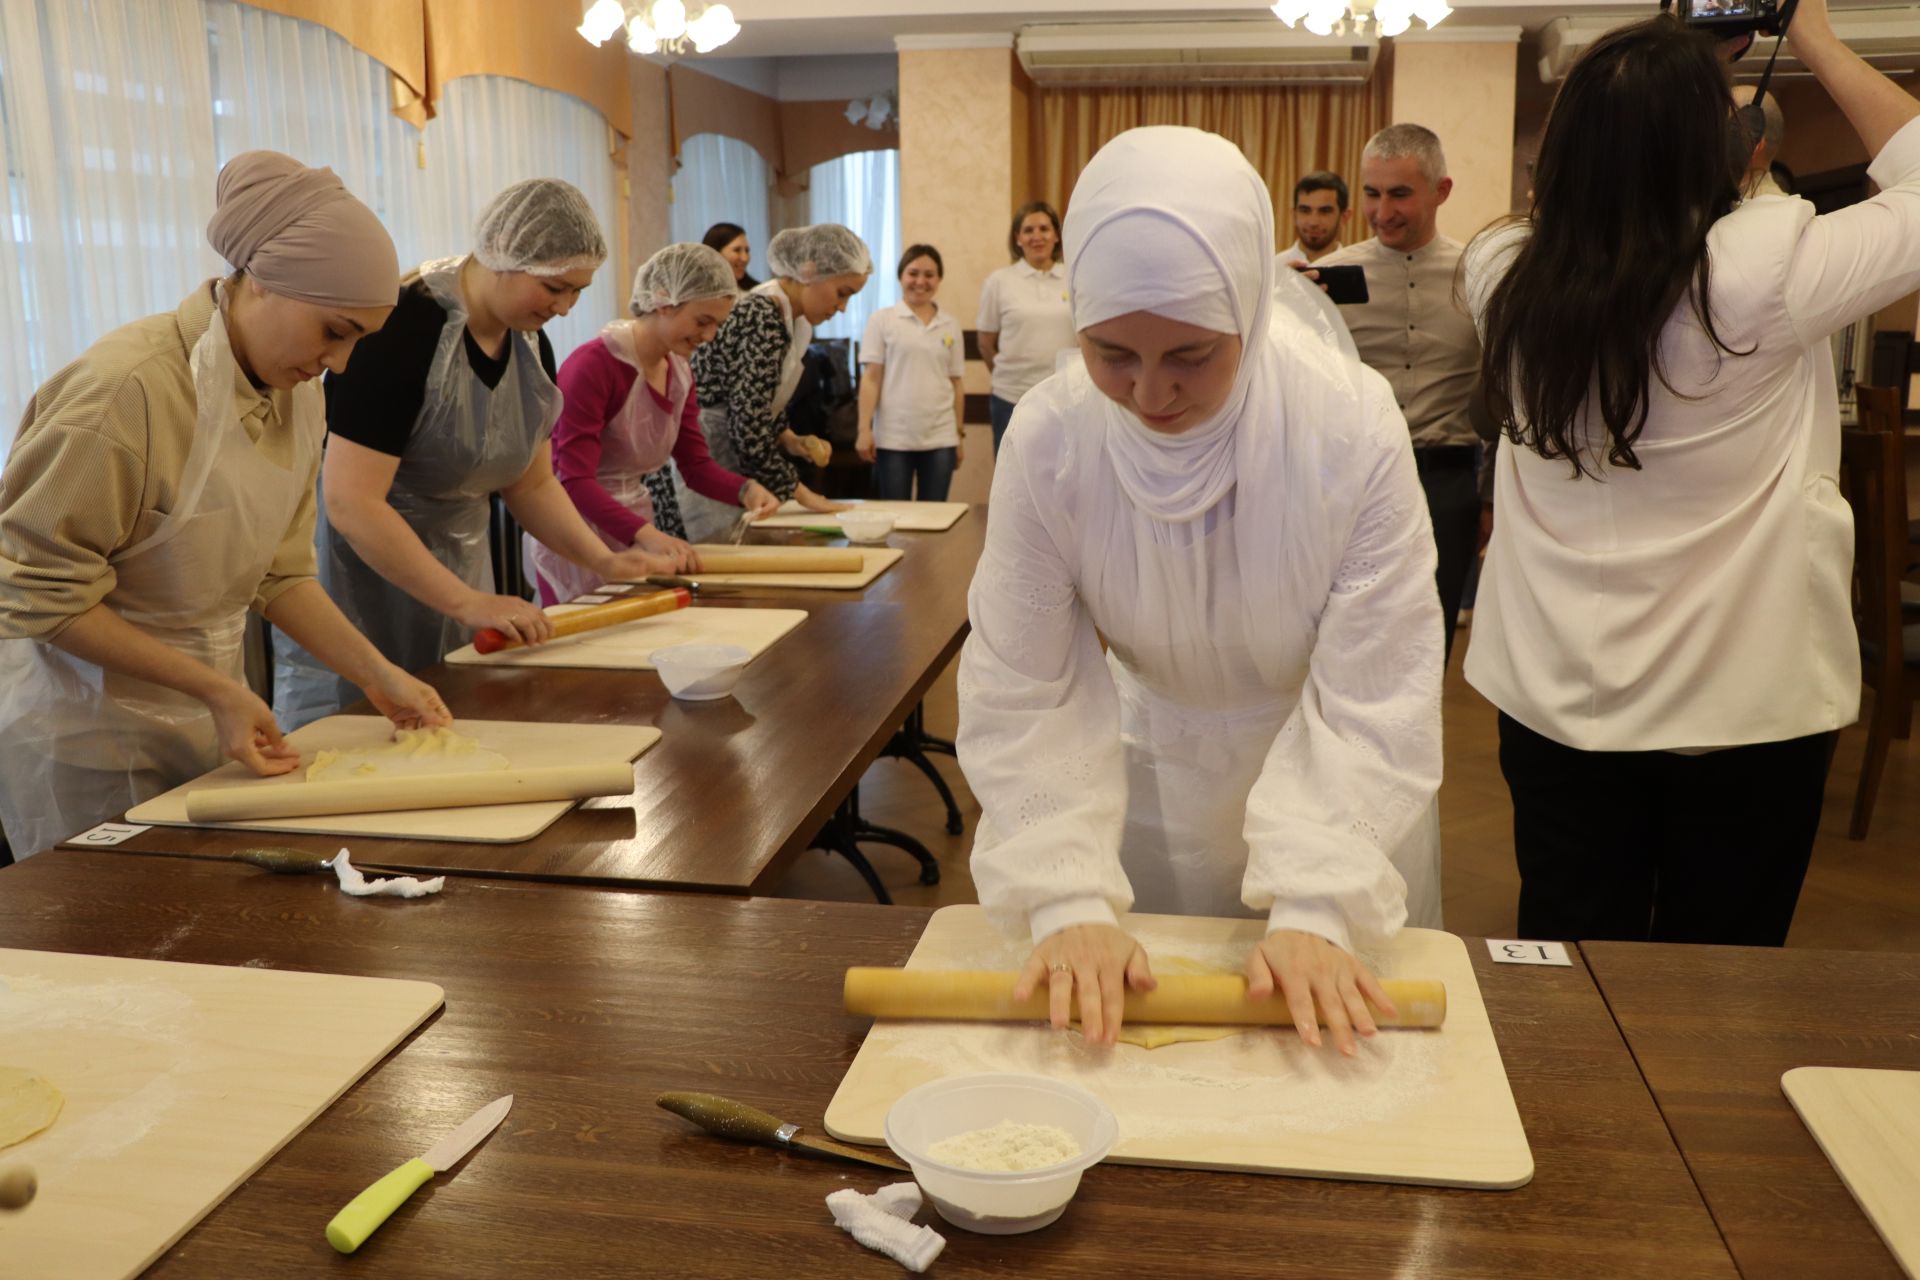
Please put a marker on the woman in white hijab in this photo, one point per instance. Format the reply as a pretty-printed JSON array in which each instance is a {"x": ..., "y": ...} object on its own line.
[{"x": 1230, "y": 501}]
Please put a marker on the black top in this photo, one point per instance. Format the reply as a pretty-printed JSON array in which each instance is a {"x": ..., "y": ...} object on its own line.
[{"x": 377, "y": 400}]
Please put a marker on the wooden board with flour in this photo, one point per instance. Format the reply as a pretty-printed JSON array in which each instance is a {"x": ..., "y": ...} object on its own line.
[
  {"x": 343, "y": 746},
  {"x": 177, "y": 1081},
  {"x": 1421, "y": 1107}
]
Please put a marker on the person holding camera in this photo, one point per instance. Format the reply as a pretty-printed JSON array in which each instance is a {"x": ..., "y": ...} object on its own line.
[{"x": 1663, "y": 620}]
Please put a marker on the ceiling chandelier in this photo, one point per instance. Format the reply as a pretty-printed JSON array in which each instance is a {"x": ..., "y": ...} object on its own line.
[
  {"x": 875, "y": 112},
  {"x": 1352, "y": 17},
  {"x": 659, "y": 26}
]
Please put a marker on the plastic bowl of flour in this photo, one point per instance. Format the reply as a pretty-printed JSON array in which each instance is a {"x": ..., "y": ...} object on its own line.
[
  {"x": 999, "y": 1201},
  {"x": 700, "y": 672},
  {"x": 866, "y": 526}
]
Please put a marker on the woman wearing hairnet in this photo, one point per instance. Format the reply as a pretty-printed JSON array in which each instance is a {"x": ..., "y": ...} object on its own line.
[
  {"x": 160, "y": 484},
  {"x": 746, "y": 375},
  {"x": 630, "y": 408},
  {"x": 453, "y": 402},
  {"x": 1230, "y": 501}
]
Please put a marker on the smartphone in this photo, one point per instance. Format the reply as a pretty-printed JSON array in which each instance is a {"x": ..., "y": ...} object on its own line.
[{"x": 1345, "y": 285}]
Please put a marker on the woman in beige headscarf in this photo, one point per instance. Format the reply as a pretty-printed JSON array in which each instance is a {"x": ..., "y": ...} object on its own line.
[{"x": 162, "y": 483}]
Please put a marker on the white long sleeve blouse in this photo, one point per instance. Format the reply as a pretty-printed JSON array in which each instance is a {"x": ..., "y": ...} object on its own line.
[
  {"x": 1702, "y": 601},
  {"x": 1347, "y": 711}
]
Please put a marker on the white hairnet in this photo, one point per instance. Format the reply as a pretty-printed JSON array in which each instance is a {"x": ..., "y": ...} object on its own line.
[
  {"x": 813, "y": 253},
  {"x": 542, "y": 226},
  {"x": 678, "y": 274}
]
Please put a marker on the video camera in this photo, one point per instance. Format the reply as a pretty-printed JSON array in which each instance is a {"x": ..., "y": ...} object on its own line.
[{"x": 1730, "y": 19}]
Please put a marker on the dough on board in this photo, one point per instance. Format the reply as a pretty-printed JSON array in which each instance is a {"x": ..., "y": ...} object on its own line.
[
  {"x": 412, "y": 753},
  {"x": 28, "y": 1104}
]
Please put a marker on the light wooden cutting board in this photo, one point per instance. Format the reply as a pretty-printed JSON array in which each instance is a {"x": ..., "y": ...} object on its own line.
[
  {"x": 180, "y": 1081},
  {"x": 877, "y": 561},
  {"x": 526, "y": 745},
  {"x": 912, "y": 517},
  {"x": 630, "y": 646},
  {"x": 1424, "y": 1107},
  {"x": 1868, "y": 1124}
]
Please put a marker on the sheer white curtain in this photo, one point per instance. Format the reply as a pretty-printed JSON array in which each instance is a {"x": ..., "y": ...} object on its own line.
[
  {"x": 115, "y": 116},
  {"x": 721, "y": 179},
  {"x": 299, "y": 88},
  {"x": 861, "y": 191},
  {"x": 106, "y": 145}
]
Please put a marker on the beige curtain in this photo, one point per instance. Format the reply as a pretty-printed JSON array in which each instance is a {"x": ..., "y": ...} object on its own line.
[{"x": 1284, "y": 131}]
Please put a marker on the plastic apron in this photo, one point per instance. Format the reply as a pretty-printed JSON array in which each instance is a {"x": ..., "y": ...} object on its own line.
[
  {"x": 468, "y": 443},
  {"x": 638, "y": 440},
  {"x": 78, "y": 743},
  {"x": 705, "y": 518}
]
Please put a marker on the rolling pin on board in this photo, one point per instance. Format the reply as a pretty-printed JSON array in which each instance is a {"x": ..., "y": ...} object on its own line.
[
  {"x": 715, "y": 559},
  {"x": 1209, "y": 999},
  {"x": 394, "y": 795},
  {"x": 487, "y": 640}
]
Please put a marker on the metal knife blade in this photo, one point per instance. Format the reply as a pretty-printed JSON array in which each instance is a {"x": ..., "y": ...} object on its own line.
[
  {"x": 447, "y": 1152},
  {"x": 730, "y": 1119}
]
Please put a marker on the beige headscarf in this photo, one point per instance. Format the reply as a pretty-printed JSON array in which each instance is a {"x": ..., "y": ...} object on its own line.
[{"x": 301, "y": 234}]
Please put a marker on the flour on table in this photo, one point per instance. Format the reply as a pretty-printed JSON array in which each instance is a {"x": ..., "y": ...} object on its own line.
[{"x": 412, "y": 753}]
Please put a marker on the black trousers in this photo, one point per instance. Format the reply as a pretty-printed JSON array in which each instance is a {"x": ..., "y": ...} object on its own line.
[
  {"x": 1453, "y": 502},
  {"x": 1649, "y": 846}
]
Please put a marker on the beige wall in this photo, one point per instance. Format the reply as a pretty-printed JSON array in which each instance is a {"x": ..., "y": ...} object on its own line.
[
  {"x": 649, "y": 170},
  {"x": 957, "y": 132},
  {"x": 1465, "y": 93}
]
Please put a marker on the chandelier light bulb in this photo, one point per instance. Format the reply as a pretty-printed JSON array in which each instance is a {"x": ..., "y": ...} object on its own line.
[
  {"x": 1431, "y": 12},
  {"x": 669, "y": 19},
  {"x": 1290, "y": 11},
  {"x": 1393, "y": 16},
  {"x": 713, "y": 28},
  {"x": 601, "y": 21}
]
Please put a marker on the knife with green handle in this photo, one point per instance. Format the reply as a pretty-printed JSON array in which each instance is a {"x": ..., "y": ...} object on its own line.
[{"x": 365, "y": 1212}]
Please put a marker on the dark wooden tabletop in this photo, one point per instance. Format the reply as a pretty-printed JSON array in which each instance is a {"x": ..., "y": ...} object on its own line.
[
  {"x": 735, "y": 788},
  {"x": 585, "y": 1003},
  {"x": 1714, "y": 1029}
]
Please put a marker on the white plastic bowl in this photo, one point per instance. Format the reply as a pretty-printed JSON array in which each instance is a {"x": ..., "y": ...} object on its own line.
[
  {"x": 700, "y": 672},
  {"x": 998, "y": 1203},
  {"x": 867, "y": 526}
]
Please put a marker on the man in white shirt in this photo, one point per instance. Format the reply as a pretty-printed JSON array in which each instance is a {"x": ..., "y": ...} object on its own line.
[
  {"x": 1319, "y": 216},
  {"x": 1411, "y": 330}
]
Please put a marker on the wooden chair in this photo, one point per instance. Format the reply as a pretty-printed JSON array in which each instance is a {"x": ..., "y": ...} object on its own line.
[
  {"x": 1879, "y": 409},
  {"x": 1874, "y": 475}
]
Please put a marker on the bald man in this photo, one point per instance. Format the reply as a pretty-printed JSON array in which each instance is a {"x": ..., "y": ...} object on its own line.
[{"x": 1759, "y": 176}]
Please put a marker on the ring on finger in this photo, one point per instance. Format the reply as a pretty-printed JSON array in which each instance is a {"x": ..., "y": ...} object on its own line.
[{"x": 1059, "y": 966}]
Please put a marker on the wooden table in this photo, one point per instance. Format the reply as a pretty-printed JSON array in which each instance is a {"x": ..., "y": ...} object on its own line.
[
  {"x": 585, "y": 1003},
  {"x": 1713, "y": 1029},
  {"x": 736, "y": 788}
]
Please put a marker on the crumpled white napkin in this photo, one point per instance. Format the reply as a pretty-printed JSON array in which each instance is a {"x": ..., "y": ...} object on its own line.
[
  {"x": 357, "y": 885},
  {"x": 880, "y": 1222}
]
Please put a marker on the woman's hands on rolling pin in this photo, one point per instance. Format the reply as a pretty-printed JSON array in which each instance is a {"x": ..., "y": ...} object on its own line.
[
  {"x": 1309, "y": 971},
  {"x": 676, "y": 551},
  {"x": 1100, "y": 961},
  {"x": 633, "y": 564},
  {"x": 512, "y": 617},
  {"x": 409, "y": 703},
  {"x": 248, "y": 732}
]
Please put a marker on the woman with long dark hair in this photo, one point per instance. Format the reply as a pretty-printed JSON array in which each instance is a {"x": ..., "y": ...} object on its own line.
[
  {"x": 729, "y": 240},
  {"x": 1663, "y": 620}
]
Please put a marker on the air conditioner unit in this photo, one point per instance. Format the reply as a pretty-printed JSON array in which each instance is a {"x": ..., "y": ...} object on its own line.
[
  {"x": 1262, "y": 51},
  {"x": 1888, "y": 38}
]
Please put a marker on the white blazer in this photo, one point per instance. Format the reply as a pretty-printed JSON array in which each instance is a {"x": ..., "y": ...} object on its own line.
[{"x": 1702, "y": 601}]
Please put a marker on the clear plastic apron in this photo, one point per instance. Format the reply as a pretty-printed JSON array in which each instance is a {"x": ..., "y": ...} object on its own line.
[
  {"x": 468, "y": 443},
  {"x": 78, "y": 743},
  {"x": 637, "y": 441},
  {"x": 705, "y": 518}
]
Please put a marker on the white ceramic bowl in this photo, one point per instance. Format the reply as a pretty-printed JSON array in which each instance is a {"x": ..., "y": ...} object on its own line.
[
  {"x": 867, "y": 526},
  {"x": 701, "y": 672},
  {"x": 998, "y": 1203}
]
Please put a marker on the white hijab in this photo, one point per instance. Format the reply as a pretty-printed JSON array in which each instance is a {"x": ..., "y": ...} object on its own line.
[{"x": 1176, "y": 222}]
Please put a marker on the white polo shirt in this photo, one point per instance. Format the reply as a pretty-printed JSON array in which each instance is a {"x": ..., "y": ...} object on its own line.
[
  {"x": 919, "y": 363},
  {"x": 1030, "y": 312}
]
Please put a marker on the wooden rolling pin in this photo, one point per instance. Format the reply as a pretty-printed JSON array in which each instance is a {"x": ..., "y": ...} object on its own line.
[
  {"x": 780, "y": 559},
  {"x": 1217, "y": 999},
  {"x": 611, "y": 614},
  {"x": 430, "y": 791}
]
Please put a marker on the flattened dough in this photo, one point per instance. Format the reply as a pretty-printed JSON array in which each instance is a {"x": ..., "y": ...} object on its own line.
[
  {"x": 412, "y": 753},
  {"x": 1153, "y": 1036},
  {"x": 28, "y": 1104}
]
